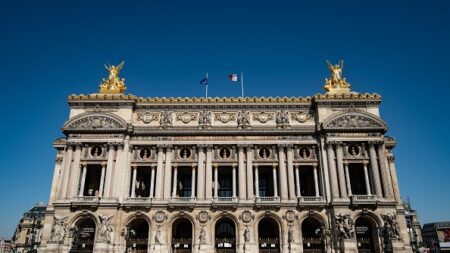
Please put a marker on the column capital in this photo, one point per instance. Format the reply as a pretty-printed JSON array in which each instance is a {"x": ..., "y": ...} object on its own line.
[
  {"x": 315, "y": 165},
  {"x": 234, "y": 165},
  {"x": 215, "y": 165},
  {"x": 194, "y": 165},
  {"x": 365, "y": 162},
  {"x": 201, "y": 147},
  {"x": 391, "y": 158},
  {"x": 83, "y": 164},
  {"x": 274, "y": 165},
  {"x": 375, "y": 142},
  {"x": 104, "y": 165},
  {"x": 175, "y": 165}
]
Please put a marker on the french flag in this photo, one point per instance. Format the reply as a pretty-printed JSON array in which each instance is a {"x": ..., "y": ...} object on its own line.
[{"x": 234, "y": 77}]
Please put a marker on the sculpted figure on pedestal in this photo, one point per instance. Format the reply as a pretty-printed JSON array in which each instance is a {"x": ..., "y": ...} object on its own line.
[
  {"x": 105, "y": 228},
  {"x": 59, "y": 229},
  {"x": 344, "y": 226}
]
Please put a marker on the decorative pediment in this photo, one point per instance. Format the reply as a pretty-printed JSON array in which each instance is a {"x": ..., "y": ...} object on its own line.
[
  {"x": 96, "y": 122},
  {"x": 355, "y": 120}
]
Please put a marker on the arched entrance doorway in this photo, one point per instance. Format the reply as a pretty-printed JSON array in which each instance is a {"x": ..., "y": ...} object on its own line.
[
  {"x": 366, "y": 235},
  {"x": 137, "y": 236},
  {"x": 83, "y": 236},
  {"x": 312, "y": 236},
  {"x": 268, "y": 236},
  {"x": 182, "y": 236},
  {"x": 225, "y": 241}
]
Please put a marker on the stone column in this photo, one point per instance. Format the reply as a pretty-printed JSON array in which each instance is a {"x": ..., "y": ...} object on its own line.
[
  {"x": 208, "y": 187},
  {"x": 124, "y": 168},
  {"x": 388, "y": 173},
  {"x": 168, "y": 173},
  {"x": 118, "y": 177},
  {"x": 275, "y": 180},
  {"x": 297, "y": 179},
  {"x": 256, "y": 181},
  {"x": 102, "y": 180},
  {"x": 109, "y": 171},
  {"x": 83, "y": 179},
  {"x": 366, "y": 178},
  {"x": 65, "y": 173},
  {"x": 233, "y": 172},
  {"x": 216, "y": 181},
  {"x": 74, "y": 177},
  {"x": 290, "y": 171},
  {"x": 241, "y": 173},
  {"x": 326, "y": 170},
  {"x": 283, "y": 176},
  {"x": 375, "y": 170},
  {"x": 56, "y": 180},
  {"x": 159, "y": 174},
  {"x": 316, "y": 181},
  {"x": 341, "y": 170},
  {"x": 384, "y": 176},
  {"x": 391, "y": 160},
  {"x": 250, "y": 186},
  {"x": 193, "y": 181},
  {"x": 175, "y": 182},
  {"x": 133, "y": 181},
  {"x": 347, "y": 177},
  {"x": 201, "y": 173},
  {"x": 152, "y": 183},
  {"x": 333, "y": 174}
]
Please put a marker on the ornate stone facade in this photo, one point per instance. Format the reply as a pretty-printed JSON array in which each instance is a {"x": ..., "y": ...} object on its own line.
[{"x": 312, "y": 174}]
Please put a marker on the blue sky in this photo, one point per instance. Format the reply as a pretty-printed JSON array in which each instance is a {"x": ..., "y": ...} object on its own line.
[{"x": 49, "y": 50}]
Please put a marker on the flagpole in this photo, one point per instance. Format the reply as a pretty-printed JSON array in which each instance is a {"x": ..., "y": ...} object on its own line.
[
  {"x": 207, "y": 81},
  {"x": 242, "y": 85}
]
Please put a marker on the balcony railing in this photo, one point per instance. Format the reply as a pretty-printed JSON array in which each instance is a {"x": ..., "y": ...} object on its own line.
[
  {"x": 87, "y": 198},
  {"x": 139, "y": 200},
  {"x": 182, "y": 201},
  {"x": 268, "y": 199},
  {"x": 311, "y": 200},
  {"x": 225, "y": 200},
  {"x": 364, "y": 199}
]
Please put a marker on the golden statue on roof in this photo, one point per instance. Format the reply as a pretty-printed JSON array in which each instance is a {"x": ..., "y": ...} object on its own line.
[
  {"x": 114, "y": 84},
  {"x": 336, "y": 84}
]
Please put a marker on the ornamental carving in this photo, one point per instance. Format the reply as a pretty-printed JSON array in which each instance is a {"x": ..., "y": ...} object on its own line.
[
  {"x": 344, "y": 226},
  {"x": 159, "y": 216},
  {"x": 166, "y": 118},
  {"x": 262, "y": 117},
  {"x": 59, "y": 229},
  {"x": 105, "y": 229},
  {"x": 246, "y": 216},
  {"x": 147, "y": 117},
  {"x": 96, "y": 121},
  {"x": 186, "y": 117},
  {"x": 282, "y": 118},
  {"x": 301, "y": 117},
  {"x": 290, "y": 216},
  {"x": 203, "y": 216},
  {"x": 391, "y": 226},
  {"x": 204, "y": 118},
  {"x": 354, "y": 120},
  {"x": 224, "y": 117},
  {"x": 243, "y": 119}
]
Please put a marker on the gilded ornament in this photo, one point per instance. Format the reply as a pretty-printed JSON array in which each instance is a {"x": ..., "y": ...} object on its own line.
[
  {"x": 336, "y": 84},
  {"x": 114, "y": 84}
]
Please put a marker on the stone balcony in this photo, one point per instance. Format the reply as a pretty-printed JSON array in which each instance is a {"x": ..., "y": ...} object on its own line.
[
  {"x": 85, "y": 201},
  {"x": 363, "y": 200},
  {"x": 138, "y": 201},
  {"x": 273, "y": 201},
  {"x": 180, "y": 202},
  {"x": 311, "y": 201},
  {"x": 225, "y": 202}
]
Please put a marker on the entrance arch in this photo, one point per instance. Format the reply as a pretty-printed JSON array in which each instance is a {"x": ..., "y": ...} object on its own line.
[
  {"x": 137, "y": 236},
  {"x": 366, "y": 235},
  {"x": 268, "y": 236},
  {"x": 312, "y": 236},
  {"x": 182, "y": 236},
  {"x": 84, "y": 236},
  {"x": 225, "y": 231}
]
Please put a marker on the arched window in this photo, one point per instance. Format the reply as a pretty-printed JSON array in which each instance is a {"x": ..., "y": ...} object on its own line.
[
  {"x": 83, "y": 236},
  {"x": 268, "y": 233},
  {"x": 182, "y": 236},
  {"x": 312, "y": 236},
  {"x": 137, "y": 236},
  {"x": 225, "y": 241}
]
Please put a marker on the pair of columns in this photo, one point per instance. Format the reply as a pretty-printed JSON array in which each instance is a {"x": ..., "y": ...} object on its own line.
[
  {"x": 340, "y": 179},
  {"x": 134, "y": 178},
  {"x": 84, "y": 169},
  {"x": 316, "y": 181},
  {"x": 175, "y": 181}
]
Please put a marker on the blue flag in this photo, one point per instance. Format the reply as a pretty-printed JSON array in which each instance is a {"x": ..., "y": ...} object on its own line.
[{"x": 204, "y": 81}]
